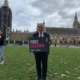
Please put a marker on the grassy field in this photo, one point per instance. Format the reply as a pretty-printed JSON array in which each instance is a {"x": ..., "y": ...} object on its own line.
[{"x": 63, "y": 64}]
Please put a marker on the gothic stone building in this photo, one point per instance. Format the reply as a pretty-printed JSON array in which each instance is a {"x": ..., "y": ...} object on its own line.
[
  {"x": 64, "y": 36},
  {"x": 18, "y": 35}
]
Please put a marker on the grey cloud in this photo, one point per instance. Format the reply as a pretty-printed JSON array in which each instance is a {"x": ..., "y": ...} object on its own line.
[
  {"x": 56, "y": 13},
  {"x": 46, "y": 6},
  {"x": 62, "y": 7}
]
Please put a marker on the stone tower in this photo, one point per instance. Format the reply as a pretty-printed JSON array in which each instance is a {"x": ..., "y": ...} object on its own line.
[
  {"x": 5, "y": 2},
  {"x": 44, "y": 26},
  {"x": 6, "y": 19},
  {"x": 75, "y": 23}
]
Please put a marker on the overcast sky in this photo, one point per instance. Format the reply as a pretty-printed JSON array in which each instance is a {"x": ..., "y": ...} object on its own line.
[{"x": 55, "y": 13}]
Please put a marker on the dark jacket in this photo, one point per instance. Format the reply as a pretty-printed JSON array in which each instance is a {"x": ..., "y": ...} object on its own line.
[
  {"x": 45, "y": 35},
  {"x": 2, "y": 39}
]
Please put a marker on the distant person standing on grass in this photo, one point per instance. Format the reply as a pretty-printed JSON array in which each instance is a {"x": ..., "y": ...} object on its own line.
[{"x": 2, "y": 38}]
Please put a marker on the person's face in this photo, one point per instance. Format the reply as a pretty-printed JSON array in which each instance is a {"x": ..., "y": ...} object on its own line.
[{"x": 40, "y": 27}]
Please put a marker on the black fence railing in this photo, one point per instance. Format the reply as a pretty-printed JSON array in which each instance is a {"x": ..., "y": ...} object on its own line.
[{"x": 16, "y": 42}]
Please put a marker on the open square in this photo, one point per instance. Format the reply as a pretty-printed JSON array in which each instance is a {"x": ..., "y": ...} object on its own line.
[{"x": 63, "y": 64}]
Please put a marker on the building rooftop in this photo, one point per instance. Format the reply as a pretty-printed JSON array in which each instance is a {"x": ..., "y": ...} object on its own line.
[{"x": 65, "y": 31}]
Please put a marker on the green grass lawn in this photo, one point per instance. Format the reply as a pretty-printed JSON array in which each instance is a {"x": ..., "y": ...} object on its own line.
[{"x": 63, "y": 64}]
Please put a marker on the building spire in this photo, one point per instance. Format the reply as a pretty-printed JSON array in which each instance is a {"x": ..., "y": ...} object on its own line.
[
  {"x": 75, "y": 23},
  {"x": 44, "y": 23},
  {"x": 5, "y": 2},
  {"x": 76, "y": 16}
]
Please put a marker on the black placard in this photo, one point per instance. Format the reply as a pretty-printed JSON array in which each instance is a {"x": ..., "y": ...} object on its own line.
[{"x": 39, "y": 44}]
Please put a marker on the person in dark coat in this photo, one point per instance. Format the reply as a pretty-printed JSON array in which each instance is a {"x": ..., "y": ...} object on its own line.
[{"x": 41, "y": 58}]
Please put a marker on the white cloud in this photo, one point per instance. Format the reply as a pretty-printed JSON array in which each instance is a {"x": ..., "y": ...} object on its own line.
[{"x": 56, "y": 13}]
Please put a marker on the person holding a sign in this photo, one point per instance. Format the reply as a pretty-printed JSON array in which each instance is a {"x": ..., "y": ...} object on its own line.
[
  {"x": 41, "y": 58},
  {"x": 2, "y": 38}
]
